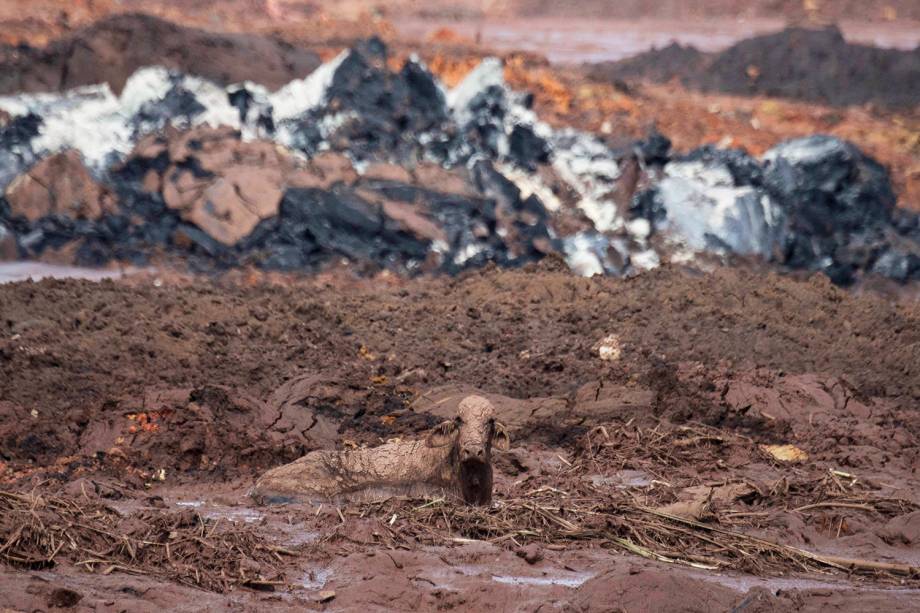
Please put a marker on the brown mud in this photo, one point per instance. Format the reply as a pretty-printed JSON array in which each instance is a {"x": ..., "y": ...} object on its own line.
[
  {"x": 111, "y": 50},
  {"x": 135, "y": 416},
  {"x": 816, "y": 65}
]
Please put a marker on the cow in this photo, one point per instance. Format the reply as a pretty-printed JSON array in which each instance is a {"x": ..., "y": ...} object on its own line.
[{"x": 454, "y": 459}]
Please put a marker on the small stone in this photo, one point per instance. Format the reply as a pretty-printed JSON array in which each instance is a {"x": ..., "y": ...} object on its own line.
[
  {"x": 786, "y": 453},
  {"x": 608, "y": 348}
]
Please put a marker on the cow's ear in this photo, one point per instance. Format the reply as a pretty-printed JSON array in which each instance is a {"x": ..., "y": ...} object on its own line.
[
  {"x": 500, "y": 438},
  {"x": 440, "y": 435}
]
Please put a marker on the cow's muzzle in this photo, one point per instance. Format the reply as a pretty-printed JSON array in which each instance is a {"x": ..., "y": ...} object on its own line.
[{"x": 475, "y": 481}]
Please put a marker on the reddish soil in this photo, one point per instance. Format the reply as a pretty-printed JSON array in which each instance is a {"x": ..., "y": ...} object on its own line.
[{"x": 135, "y": 414}]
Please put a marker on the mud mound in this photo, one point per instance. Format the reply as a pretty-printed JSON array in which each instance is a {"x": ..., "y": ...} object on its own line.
[
  {"x": 659, "y": 65},
  {"x": 112, "y": 49},
  {"x": 803, "y": 64},
  {"x": 207, "y": 430}
]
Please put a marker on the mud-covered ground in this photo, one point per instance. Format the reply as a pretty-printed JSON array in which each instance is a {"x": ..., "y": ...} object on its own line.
[{"x": 135, "y": 415}]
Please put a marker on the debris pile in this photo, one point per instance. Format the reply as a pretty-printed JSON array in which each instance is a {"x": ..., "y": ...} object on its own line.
[
  {"x": 814, "y": 203},
  {"x": 390, "y": 170}
]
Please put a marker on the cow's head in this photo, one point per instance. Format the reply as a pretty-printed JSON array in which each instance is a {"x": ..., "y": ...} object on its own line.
[{"x": 472, "y": 435}]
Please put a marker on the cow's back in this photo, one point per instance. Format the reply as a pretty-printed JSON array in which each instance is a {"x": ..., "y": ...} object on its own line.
[
  {"x": 305, "y": 478},
  {"x": 366, "y": 474}
]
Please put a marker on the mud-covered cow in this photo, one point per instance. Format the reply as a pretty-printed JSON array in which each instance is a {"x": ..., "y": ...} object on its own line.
[{"x": 455, "y": 458}]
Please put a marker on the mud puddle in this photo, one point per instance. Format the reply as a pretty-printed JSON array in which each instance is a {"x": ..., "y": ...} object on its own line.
[
  {"x": 566, "y": 581},
  {"x": 11, "y": 272},
  {"x": 233, "y": 514},
  {"x": 744, "y": 583}
]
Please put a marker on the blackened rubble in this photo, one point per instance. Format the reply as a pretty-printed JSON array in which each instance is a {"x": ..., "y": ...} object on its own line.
[
  {"x": 814, "y": 203},
  {"x": 370, "y": 111},
  {"x": 15, "y": 153},
  {"x": 388, "y": 169}
]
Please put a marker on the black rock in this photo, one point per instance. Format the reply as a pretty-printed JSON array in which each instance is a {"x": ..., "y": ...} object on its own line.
[
  {"x": 494, "y": 185},
  {"x": 654, "y": 149},
  {"x": 245, "y": 103},
  {"x": 178, "y": 105},
  {"x": 315, "y": 224},
  {"x": 745, "y": 170},
  {"x": 527, "y": 149},
  {"x": 387, "y": 113},
  {"x": 16, "y": 146}
]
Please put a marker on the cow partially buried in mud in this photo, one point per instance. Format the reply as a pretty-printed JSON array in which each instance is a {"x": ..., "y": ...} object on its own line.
[{"x": 455, "y": 459}]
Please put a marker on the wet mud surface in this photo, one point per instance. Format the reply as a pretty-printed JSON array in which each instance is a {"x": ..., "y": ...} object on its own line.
[{"x": 647, "y": 416}]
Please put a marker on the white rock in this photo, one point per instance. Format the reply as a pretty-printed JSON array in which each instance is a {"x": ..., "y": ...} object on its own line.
[
  {"x": 585, "y": 253},
  {"x": 608, "y": 348},
  {"x": 588, "y": 166},
  {"x": 488, "y": 73},
  {"x": 706, "y": 211},
  {"x": 645, "y": 260},
  {"x": 530, "y": 184},
  {"x": 301, "y": 95}
]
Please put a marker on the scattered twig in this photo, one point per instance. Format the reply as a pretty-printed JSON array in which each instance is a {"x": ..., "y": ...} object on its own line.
[{"x": 831, "y": 504}]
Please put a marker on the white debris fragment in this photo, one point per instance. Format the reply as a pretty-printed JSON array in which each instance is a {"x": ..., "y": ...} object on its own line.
[
  {"x": 467, "y": 253},
  {"x": 640, "y": 228},
  {"x": 590, "y": 168},
  {"x": 608, "y": 348},
  {"x": 301, "y": 95},
  {"x": 530, "y": 184},
  {"x": 104, "y": 127},
  {"x": 645, "y": 260},
  {"x": 708, "y": 212},
  {"x": 803, "y": 150},
  {"x": 487, "y": 74},
  {"x": 87, "y": 118},
  {"x": 585, "y": 253}
]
